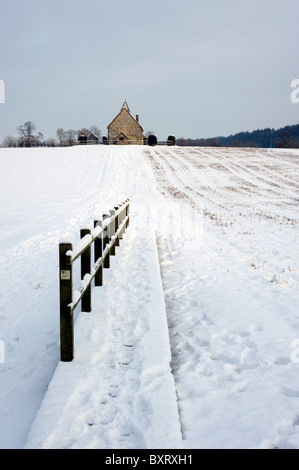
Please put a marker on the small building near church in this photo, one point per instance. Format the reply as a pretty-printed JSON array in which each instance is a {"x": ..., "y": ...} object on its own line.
[
  {"x": 92, "y": 138},
  {"x": 125, "y": 129}
]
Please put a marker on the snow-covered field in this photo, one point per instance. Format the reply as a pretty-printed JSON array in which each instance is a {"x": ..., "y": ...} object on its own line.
[{"x": 215, "y": 364}]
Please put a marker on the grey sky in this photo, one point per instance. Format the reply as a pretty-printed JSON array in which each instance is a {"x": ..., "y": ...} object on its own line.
[{"x": 193, "y": 68}]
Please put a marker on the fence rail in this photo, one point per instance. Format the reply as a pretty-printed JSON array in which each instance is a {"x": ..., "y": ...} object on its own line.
[{"x": 104, "y": 237}]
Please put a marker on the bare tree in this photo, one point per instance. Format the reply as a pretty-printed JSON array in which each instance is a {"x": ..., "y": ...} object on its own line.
[
  {"x": 83, "y": 131},
  {"x": 70, "y": 137},
  {"x": 61, "y": 136},
  {"x": 28, "y": 137},
  {"x": 50, "y": 142},
  {"x": 10, "y": 141},
  {"x": 149, "y": 133}
]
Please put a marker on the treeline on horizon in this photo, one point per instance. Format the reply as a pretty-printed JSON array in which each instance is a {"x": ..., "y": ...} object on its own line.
[{"x": 285, "y": 137}]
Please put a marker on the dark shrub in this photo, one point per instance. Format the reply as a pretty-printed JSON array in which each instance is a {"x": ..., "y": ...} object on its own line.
[
  {"x": 171, "y": 140},
  {"x": 152, "y": 140},
  {"x": 82, "y": 139}
]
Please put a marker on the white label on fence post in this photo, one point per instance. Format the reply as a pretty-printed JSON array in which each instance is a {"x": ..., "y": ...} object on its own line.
[{"x": 65, "y": 275}]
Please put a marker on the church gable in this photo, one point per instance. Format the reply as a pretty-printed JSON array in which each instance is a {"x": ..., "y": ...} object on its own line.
[
  {"x": 122, "y": 138},
  {"x": 125, "y": 128}
]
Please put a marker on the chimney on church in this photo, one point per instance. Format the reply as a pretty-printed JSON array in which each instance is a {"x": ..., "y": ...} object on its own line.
[{"x": 137, "y": 118}]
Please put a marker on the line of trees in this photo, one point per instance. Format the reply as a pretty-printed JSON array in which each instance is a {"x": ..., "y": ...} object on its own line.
[
  {"x": 285, "y": 137},
  {"x": 28, "y": 136}
]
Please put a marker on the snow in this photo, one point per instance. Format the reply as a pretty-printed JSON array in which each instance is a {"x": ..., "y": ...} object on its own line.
[{"x": 192, "y": 341}]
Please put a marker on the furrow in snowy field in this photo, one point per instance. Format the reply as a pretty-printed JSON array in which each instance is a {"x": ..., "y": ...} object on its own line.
[{"x": 258, "y": 170}]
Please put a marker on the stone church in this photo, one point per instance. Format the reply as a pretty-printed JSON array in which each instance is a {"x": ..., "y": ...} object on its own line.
[{"x": 125, "y": 129}]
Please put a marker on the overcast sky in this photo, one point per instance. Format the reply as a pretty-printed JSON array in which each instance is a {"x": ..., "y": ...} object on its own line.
[{"x": 192, "y": 68}]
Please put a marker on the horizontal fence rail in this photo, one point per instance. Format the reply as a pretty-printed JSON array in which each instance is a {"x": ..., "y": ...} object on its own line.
[
  {"x": 124, "y": 142},
  {"x": 104, "y": 237}
]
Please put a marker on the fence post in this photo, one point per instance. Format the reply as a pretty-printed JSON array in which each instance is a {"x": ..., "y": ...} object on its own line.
[
  {"x": 121, "y": 218},
  {"x": 116, "y": 225},
  {"x": 98, "y": 251},
  {"x": 112, "y": 230},
  {"x": 66, "y": 298},
  {"x": 86, "y": 268},
  {"x": 127, "y": 213},
  {"x": 105, "y": 243}
]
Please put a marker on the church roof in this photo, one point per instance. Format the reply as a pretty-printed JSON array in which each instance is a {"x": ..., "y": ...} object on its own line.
[
  {"x": 125, "y": 106},
  {"x": 121, "y": 133}
]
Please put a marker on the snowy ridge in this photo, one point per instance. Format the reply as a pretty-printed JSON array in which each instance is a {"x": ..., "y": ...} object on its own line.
[{"x": 119, "y": 391}]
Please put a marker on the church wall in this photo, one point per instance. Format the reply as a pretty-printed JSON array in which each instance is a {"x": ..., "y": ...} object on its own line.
[{"x": 125, "y": 122}]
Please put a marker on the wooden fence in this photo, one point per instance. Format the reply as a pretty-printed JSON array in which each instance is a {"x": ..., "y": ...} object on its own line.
[{"x": 104, "y": 237}]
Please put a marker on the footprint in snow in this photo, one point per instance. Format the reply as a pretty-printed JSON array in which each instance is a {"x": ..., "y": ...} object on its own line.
[
  {"x": 289, "y": 392},
  {"x": 282, "y": 361}
]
